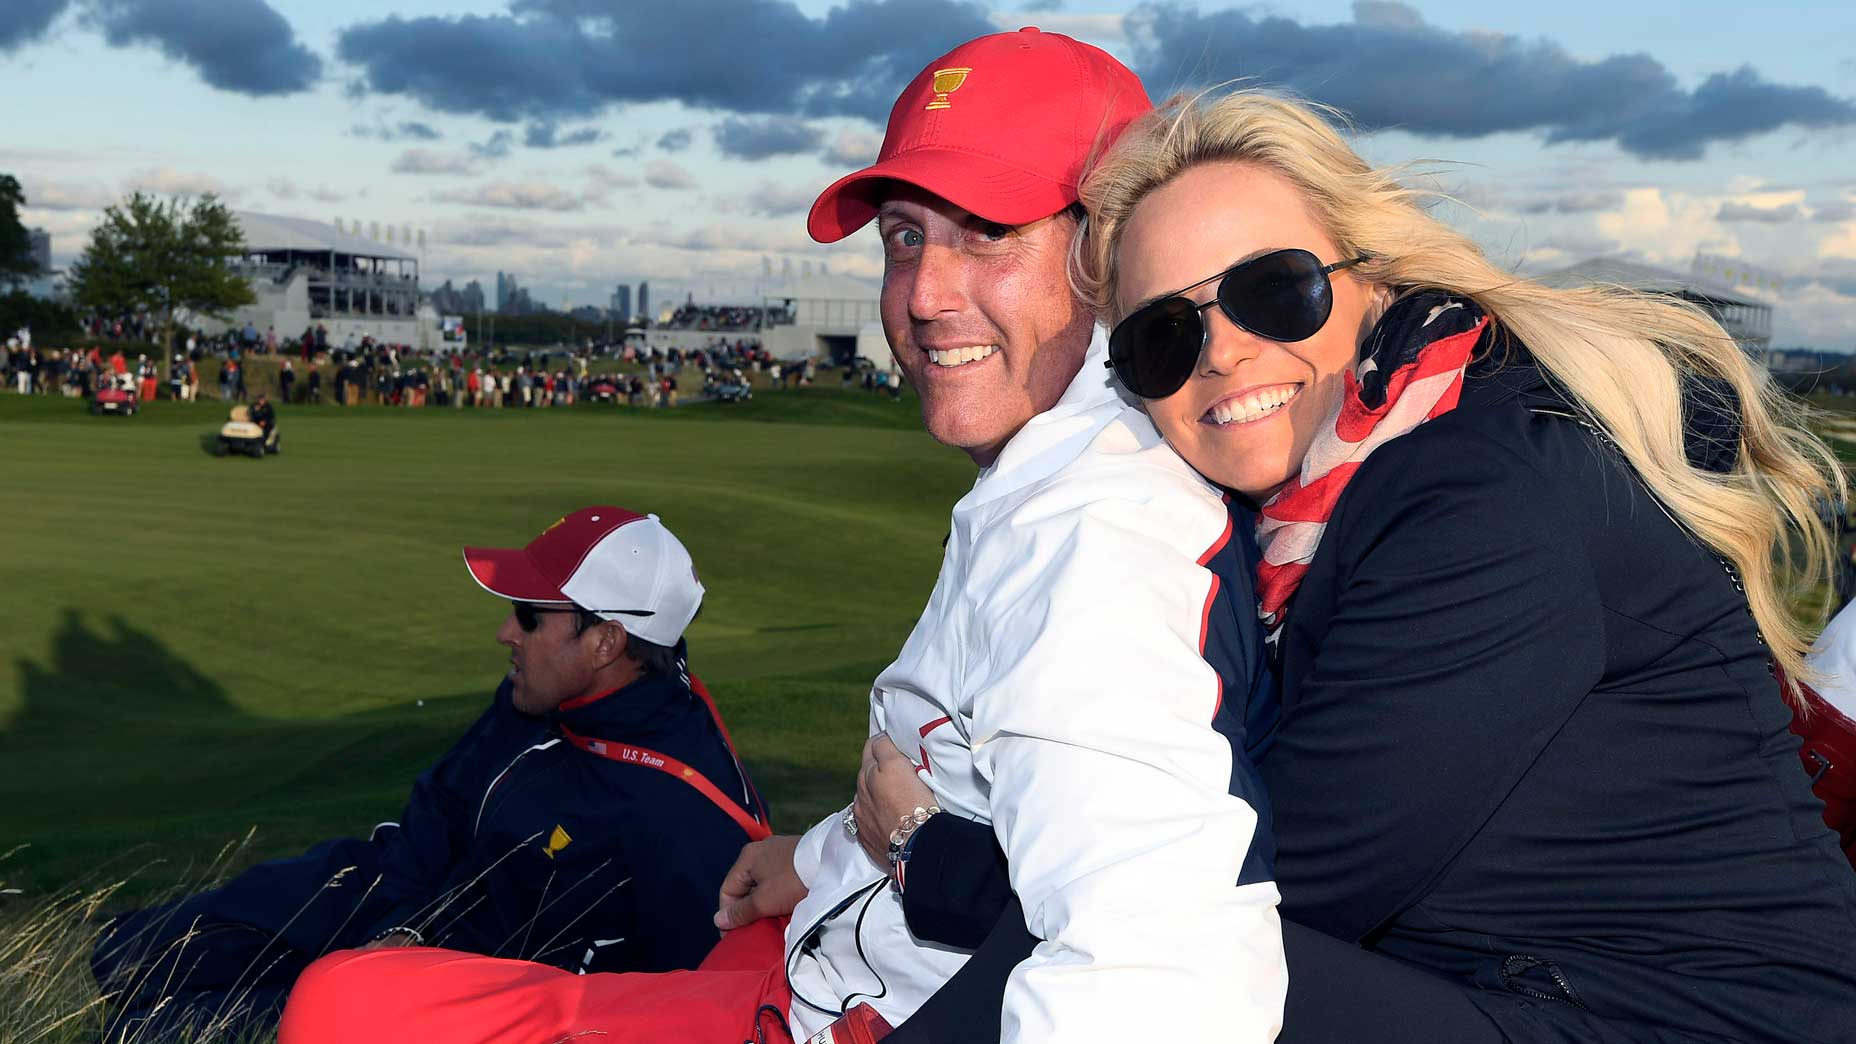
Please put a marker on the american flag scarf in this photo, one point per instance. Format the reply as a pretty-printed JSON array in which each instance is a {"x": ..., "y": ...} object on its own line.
[{"x": 1411, "y": 371}]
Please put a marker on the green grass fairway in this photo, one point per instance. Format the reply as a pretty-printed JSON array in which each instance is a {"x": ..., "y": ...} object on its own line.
[{"x": 198, "y": 646}]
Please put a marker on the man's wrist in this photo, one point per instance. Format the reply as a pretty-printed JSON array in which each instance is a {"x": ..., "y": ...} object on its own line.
[{"x": 902, "y": 840}]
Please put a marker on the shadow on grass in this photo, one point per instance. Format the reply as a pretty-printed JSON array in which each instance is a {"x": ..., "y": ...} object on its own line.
[
  {"x": 137, "y": 764},
  {"x": 121, "y": 741}
]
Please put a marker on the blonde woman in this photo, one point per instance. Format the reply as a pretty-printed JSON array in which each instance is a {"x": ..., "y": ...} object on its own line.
[{"x": 1526, "y": 555}]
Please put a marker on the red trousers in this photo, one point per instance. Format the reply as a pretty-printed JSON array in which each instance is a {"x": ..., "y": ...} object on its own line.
[{"x": 391, "y": 996}]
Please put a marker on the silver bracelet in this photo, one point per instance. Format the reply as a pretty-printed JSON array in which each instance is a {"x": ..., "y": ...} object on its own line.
[
  {"x": 899, "y": 837},
  {"x": 418, "y": 938}
]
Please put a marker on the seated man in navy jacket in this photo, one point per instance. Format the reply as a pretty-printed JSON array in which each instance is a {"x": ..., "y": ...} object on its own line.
[{"x": 585, "y": 820}]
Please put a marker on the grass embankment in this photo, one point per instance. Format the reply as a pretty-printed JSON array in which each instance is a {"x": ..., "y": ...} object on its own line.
[{"x": 199, "y": 646}]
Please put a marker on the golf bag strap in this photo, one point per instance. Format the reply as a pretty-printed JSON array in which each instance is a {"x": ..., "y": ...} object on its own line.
[{"x": 632, "y": 754}]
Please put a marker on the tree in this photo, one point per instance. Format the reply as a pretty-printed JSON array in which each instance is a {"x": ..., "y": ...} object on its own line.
[
  {"x": 16, "y": 261},
  {"x": 163, "y": 257}
]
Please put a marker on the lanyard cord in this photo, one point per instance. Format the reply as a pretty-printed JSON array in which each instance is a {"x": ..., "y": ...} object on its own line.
[
  {"x": 632, "y": 754},
  {"x": 757, "y": 806},
  {"x": 809, "y": 941}
]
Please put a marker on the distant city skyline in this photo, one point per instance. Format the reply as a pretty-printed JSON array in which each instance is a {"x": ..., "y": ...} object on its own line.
[{"x": 581, "y": 146}]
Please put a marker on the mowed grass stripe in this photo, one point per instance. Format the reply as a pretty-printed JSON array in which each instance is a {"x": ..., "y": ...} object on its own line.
[{"x": 196, "y": 646}]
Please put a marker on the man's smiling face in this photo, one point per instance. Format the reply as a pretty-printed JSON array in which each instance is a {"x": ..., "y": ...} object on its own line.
[{"x": 980, "y": 316}]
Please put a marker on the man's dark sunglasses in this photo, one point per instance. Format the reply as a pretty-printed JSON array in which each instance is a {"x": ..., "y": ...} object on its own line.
[
  {"x": 1284, "y": 295},
  {"x": 528, "y": 615}
]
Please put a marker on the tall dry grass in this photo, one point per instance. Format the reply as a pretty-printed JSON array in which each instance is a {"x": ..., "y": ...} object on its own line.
[{"x": 47, "y": 994}]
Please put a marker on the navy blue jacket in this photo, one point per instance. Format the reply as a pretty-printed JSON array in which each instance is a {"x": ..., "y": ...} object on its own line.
[
  {"x": 1529, "y": 743},
  {"x": 518, "y": 844}
]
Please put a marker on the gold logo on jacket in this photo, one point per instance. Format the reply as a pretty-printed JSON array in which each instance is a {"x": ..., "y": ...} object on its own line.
[
  {"x": 946, "y": 82},
  {"x": 557, "y": 841}
]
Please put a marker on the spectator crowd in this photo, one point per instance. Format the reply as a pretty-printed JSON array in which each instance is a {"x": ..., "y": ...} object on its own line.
[
  {"x": 691, "y": 316},
  {"x": 311, "y": 369}
]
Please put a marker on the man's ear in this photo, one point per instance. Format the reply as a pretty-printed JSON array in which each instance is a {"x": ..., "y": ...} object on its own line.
[{"x": 612, "y": 643}]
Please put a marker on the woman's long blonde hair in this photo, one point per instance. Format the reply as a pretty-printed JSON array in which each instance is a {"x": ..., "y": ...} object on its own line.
[{"x": 1617, "y": 352}]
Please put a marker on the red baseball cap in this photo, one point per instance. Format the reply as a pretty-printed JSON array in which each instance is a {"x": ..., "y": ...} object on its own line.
[
  {"x": 619, "y": 564},
  {"x": 1001, "y": 127}
]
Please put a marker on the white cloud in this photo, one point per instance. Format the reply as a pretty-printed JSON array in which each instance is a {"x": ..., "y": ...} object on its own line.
[
  {"x": 1839, "y": 242},
  {"x": 514, "y": 195},
  {"x": 1668, "y": 228},
  {"x": 602, "y": 179},
  {"x": 1107, "y": 31},
  {"x": 55, "y": 195},
  {"x": 427, "y": 161},
  {"x": 168, "y": 181},
  {"x": 664, "y": 174},
  {"x": 1814, "y": 314},
  {"x": 852, "y": 148},
  {"x": 597, "y": 255},
  {"x": 774, "y": 199},
  {"x": 500, "y": 233},
  {"x": 1780, "y": 215}
]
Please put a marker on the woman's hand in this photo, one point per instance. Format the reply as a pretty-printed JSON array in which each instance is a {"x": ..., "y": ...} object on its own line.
[
  {"x": 762, "y": 883},
  {"x": 888, "y": 788}
]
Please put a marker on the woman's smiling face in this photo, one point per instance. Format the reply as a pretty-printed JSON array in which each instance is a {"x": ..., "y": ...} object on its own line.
[{"x": 1246, "y": 416}]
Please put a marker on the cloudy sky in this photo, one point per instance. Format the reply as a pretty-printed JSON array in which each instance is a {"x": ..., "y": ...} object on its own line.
[{"x": 580, "y": 143}]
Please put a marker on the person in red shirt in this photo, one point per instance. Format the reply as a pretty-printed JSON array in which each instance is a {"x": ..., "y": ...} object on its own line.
[{"x": 145, "y": 379}]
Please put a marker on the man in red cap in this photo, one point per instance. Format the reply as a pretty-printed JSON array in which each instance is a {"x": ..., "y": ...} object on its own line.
[
  {"x": 975, "y": 196},
  {"x": 1072, "y": 683},
  {"x": 584, "y": 821}
]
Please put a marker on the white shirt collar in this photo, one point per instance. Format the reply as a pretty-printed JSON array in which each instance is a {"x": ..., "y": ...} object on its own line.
[{"x": 1053, "y": 438}]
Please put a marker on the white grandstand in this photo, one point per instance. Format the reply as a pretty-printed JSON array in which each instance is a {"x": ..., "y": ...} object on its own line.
[
  {"x": 307, "y": 273},
  {"x": 834, "y": 316},
  {"x": 1748, "y": 319}
]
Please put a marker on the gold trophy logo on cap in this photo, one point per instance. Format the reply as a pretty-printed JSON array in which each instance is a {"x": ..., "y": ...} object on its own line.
[{"x": 946, "y": 82}]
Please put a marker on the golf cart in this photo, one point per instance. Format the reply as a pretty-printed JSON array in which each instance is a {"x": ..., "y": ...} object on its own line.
[
  {"x": 603, "y": 389},
  {"x": 113, "y": 398},
  {"x": 243, "y": 435},
  {"x": 734, "y": 390}
]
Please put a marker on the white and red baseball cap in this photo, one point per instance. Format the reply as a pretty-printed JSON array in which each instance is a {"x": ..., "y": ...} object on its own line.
[
  {"x": 1001, "y": 127},
  {"x": 618, "y": 564}
]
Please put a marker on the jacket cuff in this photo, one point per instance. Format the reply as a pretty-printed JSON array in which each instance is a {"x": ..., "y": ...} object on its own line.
[{"x": 957, "y": 882}]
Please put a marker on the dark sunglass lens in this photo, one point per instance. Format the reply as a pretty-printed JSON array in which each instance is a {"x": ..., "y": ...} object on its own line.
[
  {"x": 527, "y": 617},
  {"x": 1155, "y": 348},
  {"x": 1283, "y": 296}
]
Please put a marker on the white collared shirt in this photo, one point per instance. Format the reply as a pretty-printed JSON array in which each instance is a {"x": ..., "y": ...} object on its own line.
[{"x": 1054, "y": 688}]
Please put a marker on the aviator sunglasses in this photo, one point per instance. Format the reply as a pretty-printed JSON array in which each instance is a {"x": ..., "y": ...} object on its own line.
[
  {"x": 1284, "y": 295},
  {"x": 528, "y": 614}
]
